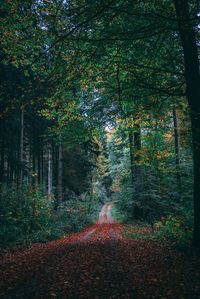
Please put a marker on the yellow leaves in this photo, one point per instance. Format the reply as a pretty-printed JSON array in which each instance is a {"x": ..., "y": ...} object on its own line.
[
  {"x": 146, "y": 156},
  {"x": 168, "y": 136},
  {"x": 129, "y": 125},
  {"x": 163, "y": 154},
  {"x": 137, "y": 121},
  {"x": 62, "y": 109},
  {"x": 119, "y": 120},
  {"x": 118, "y": 141},
  {"x": 109, "y": 134},
  {"x": 47, "y": 113},
  {"x": 54, "y": 105},
  {"x": 99, "y": 79},
  {"x": 84, "y": 85},
  {"x": 115, "y": 189}
]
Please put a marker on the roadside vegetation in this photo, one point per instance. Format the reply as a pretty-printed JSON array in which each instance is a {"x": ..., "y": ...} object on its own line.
[{"x": 28, "y": 216}]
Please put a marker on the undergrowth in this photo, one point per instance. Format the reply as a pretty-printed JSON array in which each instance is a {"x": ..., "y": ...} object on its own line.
[{"x": 28, "y": 216}]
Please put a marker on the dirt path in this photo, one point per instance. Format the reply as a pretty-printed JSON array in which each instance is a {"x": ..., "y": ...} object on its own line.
[
  {"x": 99, "y": 264},
  {"x": 105, "y": 215}
]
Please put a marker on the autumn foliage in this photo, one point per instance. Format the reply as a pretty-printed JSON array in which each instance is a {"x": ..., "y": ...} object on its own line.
[{"x": 99, "y": 263}]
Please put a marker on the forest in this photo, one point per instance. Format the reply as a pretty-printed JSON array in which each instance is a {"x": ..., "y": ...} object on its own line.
[{"x": 99, "y": 142}]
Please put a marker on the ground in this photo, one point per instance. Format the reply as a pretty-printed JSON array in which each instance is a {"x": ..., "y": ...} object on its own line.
[{"x": 99, "y": 264}]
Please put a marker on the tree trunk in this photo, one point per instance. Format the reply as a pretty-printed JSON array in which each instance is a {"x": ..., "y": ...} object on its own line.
[
  {"x": 177, "y": 148},
  {"x": 2, "y": 170},
  {"x": 42, "y": 167},
  {"x": 134, "y": 135},
  {"x": 38, "y": 166},
  {"x": 192, "y": 77},
  {"x": 34, "y": 179},
  {"x": 49, "y": 189},
  {"x": 137, "y": 148},
  {"x": 22, "y": 148},
  {"x": 60, "y": 173},
  {"x": 11, "y": 174},
  {"x": 16, "y": 177},
  {"x": 137, "y": 170},
  {"x": 54, "y": 164},
  {"x": 131, "y": 147},
  {"x": 8, "y": 166}
]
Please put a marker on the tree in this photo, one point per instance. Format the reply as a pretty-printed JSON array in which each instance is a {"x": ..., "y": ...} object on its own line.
[{"x": 192, "y": 77}]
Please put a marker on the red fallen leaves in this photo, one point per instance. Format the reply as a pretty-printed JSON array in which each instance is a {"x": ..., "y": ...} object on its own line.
[
  {"x": 98, "y": 263},
  {"x": 104, "y": 232},
  {"x": 159, "y": 272}
]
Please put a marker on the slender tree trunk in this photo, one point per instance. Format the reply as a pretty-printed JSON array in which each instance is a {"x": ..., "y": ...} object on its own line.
[
  {"x": 54, "y": 164},
  {"x": 137, "y": 169},
  {"x": 49, "y": 189},
  {"x": 192, "y": 76},
  {"x": 8, "y": 167},
  {"x": 131, "y": 147},
  {"x": 60, "y": 173},
  {"x": 34, "y": 179},
  {"x": 137, "y": 147},
  {"x": 38, "y": 166},
  {"x": 177, "y": 148},
  {"x": 2, "y": 170},
  {"x": 42, "y": 180},
  {"x": 43, "y": 170},
  {"x": 33, "y": 160},
  {"x": 16, "y": 169},
  {"x": 22, "y": 148},
  {"x": 11, "y": 175}
]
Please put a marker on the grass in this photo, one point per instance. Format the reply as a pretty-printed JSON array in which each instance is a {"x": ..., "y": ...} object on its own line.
[{"x": 139, "y": 231}]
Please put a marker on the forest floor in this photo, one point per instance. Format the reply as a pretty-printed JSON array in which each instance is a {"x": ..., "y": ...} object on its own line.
[{"x": 99, "y": 263}]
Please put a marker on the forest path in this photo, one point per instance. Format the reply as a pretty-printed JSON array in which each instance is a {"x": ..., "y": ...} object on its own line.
[
  {"x": 99, "y": 264},
  {"x": 105, "y": 217}
]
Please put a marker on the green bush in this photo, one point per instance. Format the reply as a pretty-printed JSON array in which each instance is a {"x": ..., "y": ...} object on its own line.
[
  {"x": 178, "y": 228},
  {"x": 73, "y": 215},
  {"x": 28, "y": 216},
  {"x": 23, "y": 214}
]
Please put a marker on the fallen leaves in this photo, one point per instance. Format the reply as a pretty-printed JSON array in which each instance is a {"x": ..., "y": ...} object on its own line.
[{"x": 99, "y": 264}]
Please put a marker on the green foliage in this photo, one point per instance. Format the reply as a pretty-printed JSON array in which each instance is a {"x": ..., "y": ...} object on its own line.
[
  {"x": 74, "y": 215},
  {"x": 117, "y": 215},
  {"x": 23, "y": 214},
  {"x": 177, "y": 229},
  {"x": 27, "y": 216}
]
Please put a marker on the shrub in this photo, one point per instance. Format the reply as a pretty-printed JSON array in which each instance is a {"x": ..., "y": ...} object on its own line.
[
  {"x": 28, "y": 216},
  {"x": 73, "y": 215},
  {"x": 177, "y": 228},
  {"x": 23, "y": 214}
]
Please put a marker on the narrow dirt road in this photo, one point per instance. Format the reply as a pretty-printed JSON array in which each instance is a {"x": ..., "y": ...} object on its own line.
[
  {"x": 99, "y": 264},
  {"x": 105, "y": 215}
]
